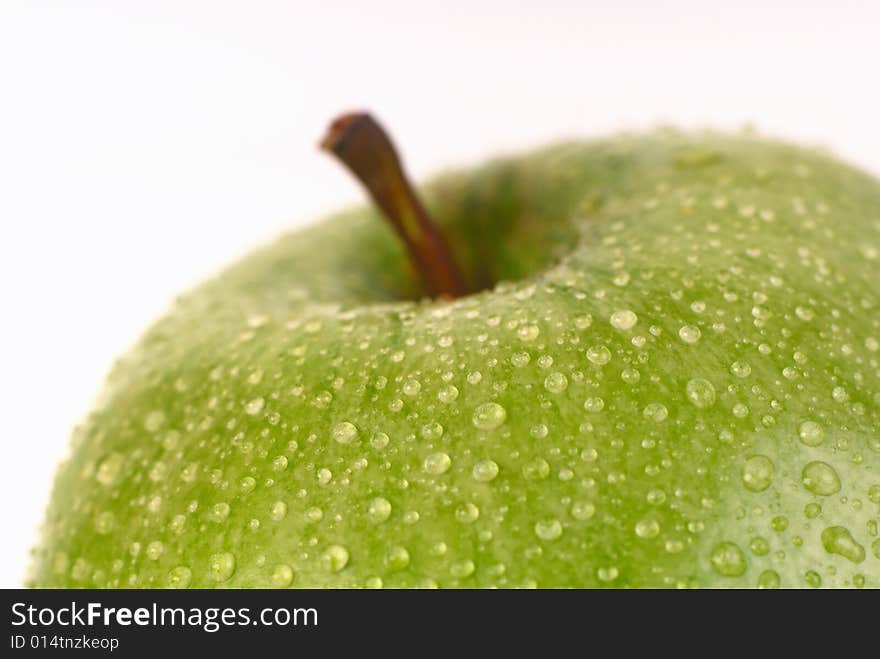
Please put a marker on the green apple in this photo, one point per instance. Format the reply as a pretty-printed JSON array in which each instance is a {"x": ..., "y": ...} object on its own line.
[{"x": 668, "y": 375}]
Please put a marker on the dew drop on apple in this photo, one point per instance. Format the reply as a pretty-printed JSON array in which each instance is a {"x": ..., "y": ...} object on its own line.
[
  {"x": 485, "y": 471},
  {"x": 700, "y": 393},
  {"x": 219, "y": 512},
  {"x": 811, "y": 433},
  {"x": 335, "y": 558},
  {"x": 379, "y": 510},
  {"x": 379, "y": 441},
  {"x": 412, "y": 387},
  {"x": 282, "y": 576},
  {"x": 528, "y": 332},
  {"x": 278, "y": 511},
  {"x": 550, "y": 529},
  {"x": 324, "y": 475},
  {"x": 488, "y": 416},
  {"x": 874, "y": 494},
  {"x": 247, "y": 484},
  {"x": 630, "y": 375},
  {"x": 462, "y": 569},
  {"x": 437, "y": 463},
  {"x": 690, "y": 334},
  {"x": 431, "y": 431},
  {"x": 656, "y": 496},
  {"x": 838, "y": 540},
  {"x": 539, "y": 431},
  {"x": 656, "y": 412},
  {"x": 254, "y": 406},
  {"x": 582, "y": 510},
  {"x": 520, "y": 359},
  {"x": 314, "y": 514},
  {"x": 607, "y": 574},
  {"x": 447, "y": 394},
  {"x": 397, "y": 558},
  {"x": 221, "y": 566},
  {"x": 536, "y": 469},
  {"x": 768, "y": 579},
  {"x": 728, "y": 560},
  {"x": 154, "y": 550},
  {"x": 556, "y": 382},
  {"x": 279, "y": 463},
  {"x": 594, "y": 404},
  {"x": 623, "y": 319},
  {"x": 467, "y": 513},
  {"x": 474, "y": 377},
  {"x": 109, "y": 469},
  {"x": 179, "y": 577},
  {"x": 647, "y": 528},
  {"x": 820, "y": 478},
  {"x": 759, "y": 546},
  {"x": 599, "y": 355},
  {"x": 758, "y": 473},
  {"x": 344, "y": 432},
  {"x": 741, "y": 369}
]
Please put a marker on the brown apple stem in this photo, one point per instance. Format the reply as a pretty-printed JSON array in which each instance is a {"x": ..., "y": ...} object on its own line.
[{"x": 365, "y": 149}]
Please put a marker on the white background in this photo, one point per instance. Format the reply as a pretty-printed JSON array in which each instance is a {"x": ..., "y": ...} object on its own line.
[{"x": 145, "y": 144}]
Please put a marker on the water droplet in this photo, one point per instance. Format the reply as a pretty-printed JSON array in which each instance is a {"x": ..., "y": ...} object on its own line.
[
  {"x": 583, "y": 322},
  {"x": 624, "y": 319},
  {"x": 838, "y": 540},
  {"x": 467, "y": 513},
  {"x": 759, "y": 546},
  {"x": 334, "y": 558},
  {"x": 630, "y": 375},
  {"x": 489, "y": 416},
  {"x": 437, "y": 463},
  {"x": 278, "y": 511},
  {"x": 820, "y": 478},
  {"x": 254, "y": 406},
  {"x": 221, "y": 566},
  {"x": 324, "y": 476},
  {"x": 768, "y": 579},
  {"x": 689, "y": 334},
  {"x": 758, "y": 473},
  {"x": 461, "y": 569},
  {"x": 279, "y": 463},
  {"x": 647, "y": 528},
  {"x": 599, "y": 355},
  {"x": 582, "y": 510},
  {"x": 154, "y": 550},
  {"x": 555, "y": 383},
  {"x": 656, "y": 497},
  {"x": 314, "y": 514},
  {"x": 179, "y": 577},
  {"x": 594, "y": 404},
  {"x": 741, "y": 369},
  {"x": 536, "y": 469},
  {"x": 539, "y": 431},
  {"x": 874, "y": 494},
  {"x": 520, "y": 359},
  {"x": 109, "y": 469},
  {"x": 344, "y": 432},
  {"x": 412, "y": 387},
  {"x": 379, "y": 510},
  {"x": 812, "y": 510},
  {"x": 811, "y": 433},
  {"x": 728, "y": 560},
  {"x": 549, "y": 529},
  {"x": 379, "y": 441},
  {"x": 607, "y": 574},
  {"x": 655, "y": 412},
  {"x": 528, "y": 332},
  {"x": 282, "y": 576},
  {"x": 447, "y": 394},
  {"x": 219, "y": 512},
  {"x": 104, "y": 522},
  {"x": 154, "y": 420},
  {"x": 397, "y": 558},
  {"x": 700, "y": 393},
  {"x": 432, "y": 431},
  {"x": 485, "y": 471}
]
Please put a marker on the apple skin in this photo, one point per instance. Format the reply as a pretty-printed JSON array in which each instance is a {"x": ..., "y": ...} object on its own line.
[{"x": 678, "y": 386}]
